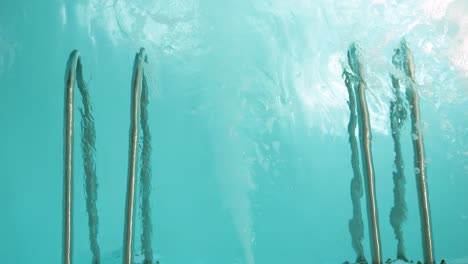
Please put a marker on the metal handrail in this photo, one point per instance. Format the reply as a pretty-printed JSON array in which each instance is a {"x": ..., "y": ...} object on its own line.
[
  {"x": 355, "y": 224},
  {"x": 419, "y": 161},
  {"x": 130, "y": 199},
  {"x": 365, "y": 136},
  {"x": 359, "y": 86},
  {"x": 73, "y": 61},
  {"x": 74, "y": 74}
]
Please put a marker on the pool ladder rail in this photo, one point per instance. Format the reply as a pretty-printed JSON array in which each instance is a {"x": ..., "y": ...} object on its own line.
[
  {"x": 74, "y": 74},
  {"x": 407, "y": 67},
  {"x": 137, "y": 82},
  {"x": 73, "y": 61}
]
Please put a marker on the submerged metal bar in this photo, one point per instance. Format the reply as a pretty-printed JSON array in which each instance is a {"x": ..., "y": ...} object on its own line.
[
  {"x": 130, "y": 200},
  {"x": 365, "y": 136},
  {"x": 419, "y": 163},
  {"x": 355, "y": 224},
  {"x": 68, "y": 180}
]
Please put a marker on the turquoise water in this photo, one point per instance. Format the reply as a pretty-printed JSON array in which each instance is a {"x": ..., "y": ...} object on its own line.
[{"x": 248, "y": 113}]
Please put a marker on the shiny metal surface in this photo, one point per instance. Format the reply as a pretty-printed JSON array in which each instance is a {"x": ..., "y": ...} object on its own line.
[
  {"x": 68, "y": 180},
  {"x": 419, "y": 162},
  {"x": 356, "y": 223},
  {"x": 130, "y": 200},
  {"x": 365, "y": 134},
  {"x": 369, "y": 168}
]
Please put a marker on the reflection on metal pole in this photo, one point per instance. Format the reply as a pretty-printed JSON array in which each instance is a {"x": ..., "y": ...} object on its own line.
[
  {"x": 365, "y": 137},
  {"x": 418, "y": 148},
  {"x": 130, "y": 199},
  {"x": 68, "y": 180},
  {"x": 74, "y": 73},
  {"x": 355, "y": 224}
]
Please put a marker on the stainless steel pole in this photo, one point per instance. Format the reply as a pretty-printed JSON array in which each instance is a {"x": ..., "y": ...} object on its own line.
[
  {"x": 419, "y": 163},
  {"x": 136, "y": 84},
  {"x": 68, "y": 180},
  {"x": 365, "y": 135}
]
